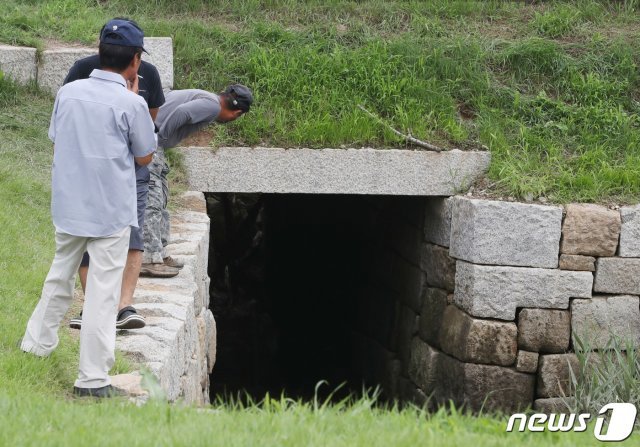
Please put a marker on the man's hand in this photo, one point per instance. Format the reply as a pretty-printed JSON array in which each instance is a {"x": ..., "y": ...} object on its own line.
[
  {"x": 143, "y": 161},
  {"x": 132, "y": 85}
]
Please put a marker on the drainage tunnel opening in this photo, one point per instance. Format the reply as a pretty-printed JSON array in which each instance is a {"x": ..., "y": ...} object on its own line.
[{"x": 308, "y": 288}]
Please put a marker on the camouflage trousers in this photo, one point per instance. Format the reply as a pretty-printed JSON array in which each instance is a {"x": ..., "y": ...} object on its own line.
[{"x": 156, "y": 218}]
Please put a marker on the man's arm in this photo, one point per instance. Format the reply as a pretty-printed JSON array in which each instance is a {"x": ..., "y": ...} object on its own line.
[
  {"x": 142, "y": 137},
  {"x": 143, "y": 161},
  {"x": 135, "y": 88},
  {"x": 202, "y": 110}
]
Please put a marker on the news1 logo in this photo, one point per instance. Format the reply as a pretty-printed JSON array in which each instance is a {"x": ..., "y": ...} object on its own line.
[{"x": 620, "y": 422}]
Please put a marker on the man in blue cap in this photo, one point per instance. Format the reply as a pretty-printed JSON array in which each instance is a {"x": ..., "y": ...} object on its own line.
[
  {"x": 150, "y": 89},
  {"x": 99, "y": 126}
]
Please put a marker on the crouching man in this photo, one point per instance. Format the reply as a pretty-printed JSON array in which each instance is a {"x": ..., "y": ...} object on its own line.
[{"x": 184, "y": 113}]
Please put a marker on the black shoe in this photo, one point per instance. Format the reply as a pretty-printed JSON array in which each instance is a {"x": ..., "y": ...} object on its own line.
[
  {"x": 128, "y": 318},
  {"x": 76, "y": 323},
  {"x": 101, "y": 393}
]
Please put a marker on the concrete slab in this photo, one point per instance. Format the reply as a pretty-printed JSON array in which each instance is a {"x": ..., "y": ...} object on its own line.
[
  {"x": 161, "y": 55},
  {"x": 55, "y": 65},
  {"x": 18, "y": 63},
  {"x": 333, "y": 171}
]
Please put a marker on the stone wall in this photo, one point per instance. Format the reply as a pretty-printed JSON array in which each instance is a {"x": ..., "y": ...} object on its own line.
[
  {"x": 390, "y": 304},
  {"x": 474, "y": 301},
  {"x": 48, "y": 70},
  {"x": 178, "y": 344},
  {"x": 486, "y": 298}
]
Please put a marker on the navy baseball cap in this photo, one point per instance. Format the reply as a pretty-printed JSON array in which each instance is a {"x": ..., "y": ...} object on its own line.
[
  {"x": 122, "y": 32},
  {"x": 241, "y": 96}
]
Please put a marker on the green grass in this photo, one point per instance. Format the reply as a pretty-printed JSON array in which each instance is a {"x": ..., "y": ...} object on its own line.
[
  {"x": 31, "y": 420},
  {"x": 27, "y": 237},
  {"x": 565, "y": 19},
  {"x": 610, "y": 375},
  {"x": 552, "y": 89}
]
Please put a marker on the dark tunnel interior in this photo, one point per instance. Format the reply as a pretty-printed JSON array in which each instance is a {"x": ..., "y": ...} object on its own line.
[{"x": 286, "y": 274}]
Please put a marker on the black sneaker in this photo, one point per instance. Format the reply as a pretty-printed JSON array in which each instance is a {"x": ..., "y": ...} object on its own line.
[
  {"x": 100, "y": 393},
  {"x": 76, "y": 323},
  {"x": 128, "y": 318}
]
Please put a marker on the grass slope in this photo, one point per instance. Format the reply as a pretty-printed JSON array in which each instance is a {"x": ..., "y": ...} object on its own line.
[
  {"x": 27, "y": 247},
  {"x": 551, "y": 89}
]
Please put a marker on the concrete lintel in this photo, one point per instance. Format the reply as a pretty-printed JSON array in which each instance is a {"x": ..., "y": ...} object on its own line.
[{"x": 333, "y": 171}]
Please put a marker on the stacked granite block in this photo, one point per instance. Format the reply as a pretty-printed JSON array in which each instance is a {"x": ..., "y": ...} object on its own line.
[{"x": 526, "y": 280}]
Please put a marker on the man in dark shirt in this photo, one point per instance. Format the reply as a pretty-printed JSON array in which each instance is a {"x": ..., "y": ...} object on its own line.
[
  {"x": 149, "y": 84},
  {"x": 150, "y": 88}
]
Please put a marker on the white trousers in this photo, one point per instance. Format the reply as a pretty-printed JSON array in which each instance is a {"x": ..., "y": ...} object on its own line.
[{"x": 104, "y": 281}]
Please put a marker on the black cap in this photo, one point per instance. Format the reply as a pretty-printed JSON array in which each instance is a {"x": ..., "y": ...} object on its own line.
[
  {"x": 241, "y": 97},
  {"x": 122, "y": 32}
]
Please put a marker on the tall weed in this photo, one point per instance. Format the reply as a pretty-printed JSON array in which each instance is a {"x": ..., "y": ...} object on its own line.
[{"x": 611, "y": 374}]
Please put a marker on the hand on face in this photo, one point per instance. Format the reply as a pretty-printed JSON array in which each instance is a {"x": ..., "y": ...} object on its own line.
[
  {"x": 131, "y": 74},
  {"x": 132, "y": 83}
]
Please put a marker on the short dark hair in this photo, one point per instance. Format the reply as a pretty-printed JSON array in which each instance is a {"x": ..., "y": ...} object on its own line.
[{"x": 117, "y": 57}]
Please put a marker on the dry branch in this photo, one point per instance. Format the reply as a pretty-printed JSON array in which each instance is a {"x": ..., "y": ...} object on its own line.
[{"x": 407, "y": 137}]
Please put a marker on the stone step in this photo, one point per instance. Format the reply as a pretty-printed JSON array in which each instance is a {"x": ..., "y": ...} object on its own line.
[
  {"x": 178, "y": 344},
  {"x": 19, "y": 63}
]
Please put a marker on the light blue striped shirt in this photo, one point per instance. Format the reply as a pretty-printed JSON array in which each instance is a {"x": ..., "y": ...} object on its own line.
[{"x": 97, "y": 127}]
